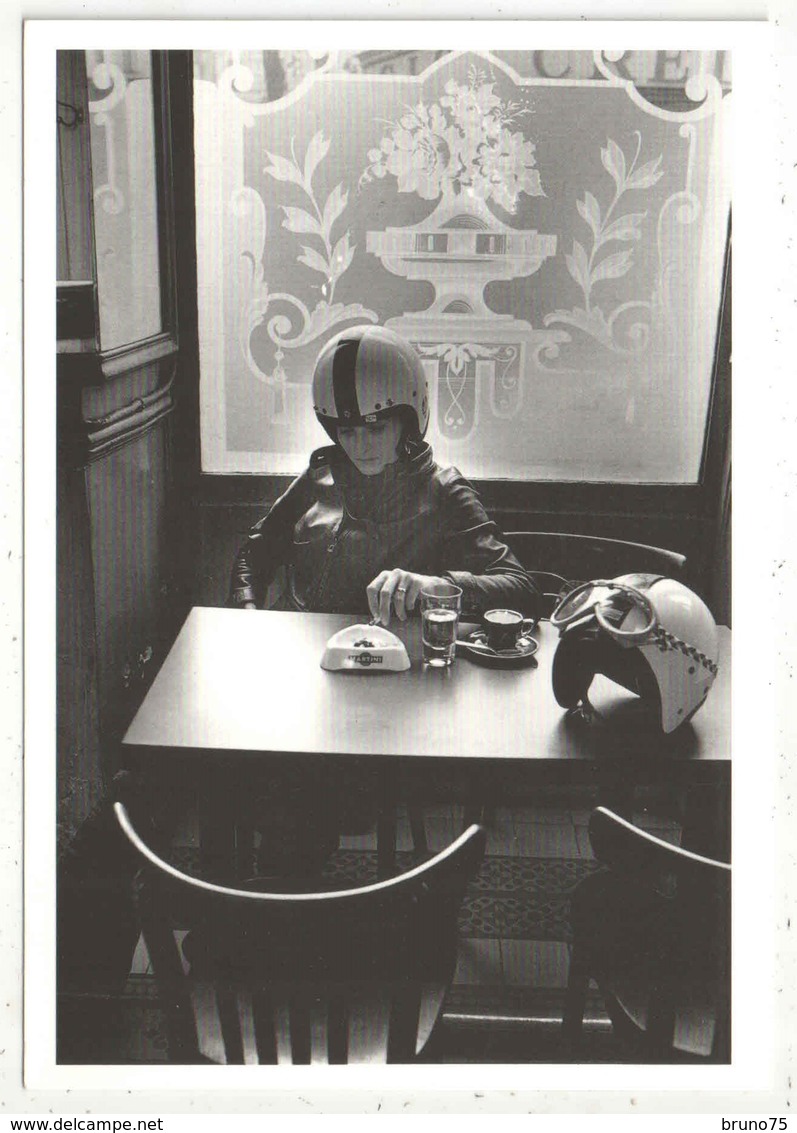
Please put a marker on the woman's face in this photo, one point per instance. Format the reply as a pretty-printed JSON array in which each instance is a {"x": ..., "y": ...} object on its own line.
[{"x": 371, "y": 447}]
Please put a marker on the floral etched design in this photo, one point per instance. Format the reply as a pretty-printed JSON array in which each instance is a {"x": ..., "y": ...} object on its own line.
[
  {"x": 458, "y": 383},
  {"x": 322, "y": 253},
  {"x": 590, "y": 268},
  {"x": 457, "y": 355},
  {"x": 463, "y": 143},
  {"x": 330, "y": 259}
]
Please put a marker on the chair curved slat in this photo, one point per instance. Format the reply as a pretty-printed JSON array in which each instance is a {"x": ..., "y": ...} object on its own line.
[
  {"x": 469, "y": 844},
  {"x": 584, "y": 557},
  {"x": 617, "y": 843},
  {"x": 347, "y": 975}
]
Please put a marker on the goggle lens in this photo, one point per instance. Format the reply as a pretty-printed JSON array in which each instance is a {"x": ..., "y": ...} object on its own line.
[
  {"x": 579, "y": 602},
  {"x": 624, "y": 612}
]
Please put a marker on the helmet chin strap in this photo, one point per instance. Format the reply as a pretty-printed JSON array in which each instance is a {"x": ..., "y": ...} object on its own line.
[
  {"x": 586, "y": 711},
  {"x": 617, "y": 664},
  {"x": 408, "y": 446}
]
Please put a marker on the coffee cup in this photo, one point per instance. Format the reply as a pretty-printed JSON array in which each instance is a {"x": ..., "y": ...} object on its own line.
[{"x": 502, "y": 628}]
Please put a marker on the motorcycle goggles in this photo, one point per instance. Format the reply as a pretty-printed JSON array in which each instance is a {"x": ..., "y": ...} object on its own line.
[{"x": 622, "y": 610}]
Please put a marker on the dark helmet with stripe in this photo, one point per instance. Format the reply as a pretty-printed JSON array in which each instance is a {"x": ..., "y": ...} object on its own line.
[{"x": 368, "y": 373}]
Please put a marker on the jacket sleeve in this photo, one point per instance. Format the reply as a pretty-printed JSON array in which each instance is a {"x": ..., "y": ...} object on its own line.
[
  {"x": 478, "y": 560},
  {"x": 267, "y": 546}
]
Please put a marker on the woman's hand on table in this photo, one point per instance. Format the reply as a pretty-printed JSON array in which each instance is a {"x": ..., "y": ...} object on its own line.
[{"x": 397, "y": 591}]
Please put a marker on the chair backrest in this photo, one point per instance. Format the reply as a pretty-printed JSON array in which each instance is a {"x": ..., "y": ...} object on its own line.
[
  {"x": 350, "y": 975},
  {"x": 619, "y": 844},
  {"x": 694, "y": 940},
  {"x": 554, "y": 558}
]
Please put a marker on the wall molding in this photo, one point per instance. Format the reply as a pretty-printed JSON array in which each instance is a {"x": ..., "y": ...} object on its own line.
[
  {"x": 84, "y": 440},
  {"x": 116, "y": 363},
  {"x": 109, "y": 432}
]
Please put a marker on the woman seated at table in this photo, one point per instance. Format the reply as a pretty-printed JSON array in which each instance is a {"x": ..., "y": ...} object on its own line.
[
  {"x": 367, "y": 526},
  {"x": 374, "y": 520}
]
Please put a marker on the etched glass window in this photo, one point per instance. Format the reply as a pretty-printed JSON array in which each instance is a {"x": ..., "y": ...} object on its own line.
[
  {"x": 121, "y": 118},
  {"x": 548, "y": 229}
]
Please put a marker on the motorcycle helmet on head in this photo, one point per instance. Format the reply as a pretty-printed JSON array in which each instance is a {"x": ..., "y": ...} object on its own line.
[
  {"x": 368, "y": 373},
  {"x": 651, "y": 635}
]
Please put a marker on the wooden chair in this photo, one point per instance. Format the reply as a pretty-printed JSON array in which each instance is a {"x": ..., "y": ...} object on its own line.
[
  {"x": 653, "y": 931},
  {"x": 300, "y": 977},
  {"x": 555, "y": 559}
]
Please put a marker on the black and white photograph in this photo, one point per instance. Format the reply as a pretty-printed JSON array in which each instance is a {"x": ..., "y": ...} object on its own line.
[{"x": 391, "y": 682}]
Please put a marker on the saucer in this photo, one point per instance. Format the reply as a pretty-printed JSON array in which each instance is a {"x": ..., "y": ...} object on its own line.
[{"x": 475, "y": 647}]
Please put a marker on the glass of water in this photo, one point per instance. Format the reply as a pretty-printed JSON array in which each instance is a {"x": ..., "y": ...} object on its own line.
[{"x": 440, "y": 618}]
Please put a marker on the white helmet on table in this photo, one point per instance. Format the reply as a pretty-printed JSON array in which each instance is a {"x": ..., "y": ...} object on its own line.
[
  {"x": 367, "y": 373},
  {"x": 652, "y": 635}
]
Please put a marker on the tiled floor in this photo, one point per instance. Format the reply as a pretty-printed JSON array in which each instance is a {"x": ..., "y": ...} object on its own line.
[
  {"x": 541, "y": 831},
  {"x": 554, "y": 828},
  {"x": 535, "y": 832},
  {"x": 506, "y": 999},
  {"x": 505, "y": 1003}
]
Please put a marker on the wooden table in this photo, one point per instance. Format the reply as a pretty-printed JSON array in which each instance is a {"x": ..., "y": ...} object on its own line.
[{"x": 242, "y": 686}]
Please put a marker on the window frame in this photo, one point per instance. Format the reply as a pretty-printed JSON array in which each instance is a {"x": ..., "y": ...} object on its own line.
[
  {"x": 683, "y": 516},
  {"x": 100, "y": 365}
]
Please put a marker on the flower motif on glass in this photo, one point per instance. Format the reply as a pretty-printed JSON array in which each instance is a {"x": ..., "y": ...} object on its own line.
[
  {"x": 589, "y": 268},
  {"x": 462, "y": 144}
]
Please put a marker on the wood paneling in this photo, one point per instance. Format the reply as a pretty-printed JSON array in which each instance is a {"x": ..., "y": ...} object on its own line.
[
  {"x": 78, "y": 726},
  {"x": 75, "y": 248},
  {"x": 116, "y": 540},
  {"x": 128, "y": 502},
  {"x": 119, "y": 604}
]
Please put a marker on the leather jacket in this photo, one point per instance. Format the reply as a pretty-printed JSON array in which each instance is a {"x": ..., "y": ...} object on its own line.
[{"x": 335, "y": 530}]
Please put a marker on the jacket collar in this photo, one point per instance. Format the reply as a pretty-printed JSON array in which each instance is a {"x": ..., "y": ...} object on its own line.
[{"x": 389, "y": 495}]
